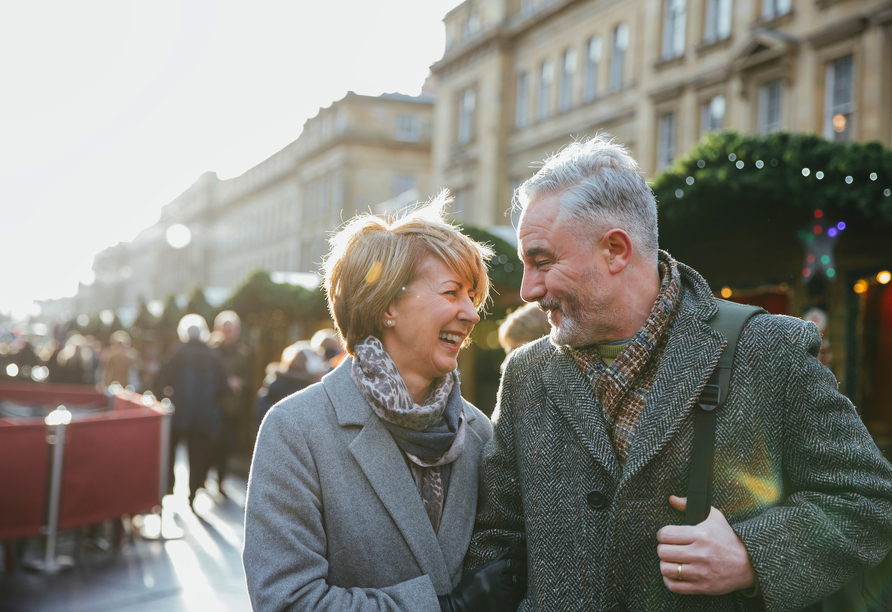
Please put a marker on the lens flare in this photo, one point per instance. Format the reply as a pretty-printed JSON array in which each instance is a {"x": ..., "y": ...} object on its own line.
[{"x": 374, "y": 273}]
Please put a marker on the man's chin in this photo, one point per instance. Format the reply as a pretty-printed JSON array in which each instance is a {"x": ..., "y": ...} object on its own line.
[{"x": 559, "y": 337}]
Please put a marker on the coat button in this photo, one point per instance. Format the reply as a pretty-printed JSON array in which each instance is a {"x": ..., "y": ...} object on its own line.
[
  {"x": 617, "y": 607},
  {"x": 596, "y": 500}
]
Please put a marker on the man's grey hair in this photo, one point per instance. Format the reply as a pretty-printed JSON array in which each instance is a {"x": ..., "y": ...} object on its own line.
[{"x": 599, "y": 183}]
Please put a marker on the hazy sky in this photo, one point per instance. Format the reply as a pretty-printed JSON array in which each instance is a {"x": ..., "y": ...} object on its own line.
[{"x": 110, "y": 109}]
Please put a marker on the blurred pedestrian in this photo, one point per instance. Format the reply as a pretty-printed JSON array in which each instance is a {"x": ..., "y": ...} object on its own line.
[
  {"x": 328, "y": 345},
  {"x": 194, "y": 380},
  {"x": 525, "y": 324},
  {"x": 233, "y": 356},
  {"x": 300, "y": 367},
  {"x": 72, "y": 363},
  {"x": 120, "y": 363},
  {"x": 363, "y": 487}
]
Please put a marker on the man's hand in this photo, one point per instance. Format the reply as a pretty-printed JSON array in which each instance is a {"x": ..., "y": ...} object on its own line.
[{"x": 713, "y": 559}]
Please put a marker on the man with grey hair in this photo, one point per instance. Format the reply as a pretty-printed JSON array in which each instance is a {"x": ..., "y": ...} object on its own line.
[{"x": 589, "y": 462}]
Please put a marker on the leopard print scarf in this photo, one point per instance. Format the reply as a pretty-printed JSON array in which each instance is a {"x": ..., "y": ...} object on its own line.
[{"x": 430, "y": 436}]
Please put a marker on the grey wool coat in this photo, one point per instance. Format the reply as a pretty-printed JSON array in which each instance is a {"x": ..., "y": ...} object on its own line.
[
  {"x": 797, "y": 475},
  {"x": 333, "y": 519}
]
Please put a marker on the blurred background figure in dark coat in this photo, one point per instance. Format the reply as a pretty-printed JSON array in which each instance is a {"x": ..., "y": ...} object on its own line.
[
  {"x": 300, "y": 367},
  {"x": 234, "y": 357},
  {"x": 194, "y": 380}
]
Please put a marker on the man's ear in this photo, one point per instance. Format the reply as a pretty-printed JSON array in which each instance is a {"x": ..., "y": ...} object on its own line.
[{"x": 619, "y": 249}]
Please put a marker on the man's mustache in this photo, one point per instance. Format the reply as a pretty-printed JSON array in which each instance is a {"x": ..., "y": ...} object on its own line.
[{"x": 546, "y": 305}]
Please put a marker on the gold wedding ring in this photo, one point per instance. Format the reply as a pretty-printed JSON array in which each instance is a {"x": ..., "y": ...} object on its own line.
[{"x": 680, "y": 576}]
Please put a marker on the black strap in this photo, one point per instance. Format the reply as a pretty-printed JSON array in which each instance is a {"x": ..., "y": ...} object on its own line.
[{"x": 728, "y": 321}]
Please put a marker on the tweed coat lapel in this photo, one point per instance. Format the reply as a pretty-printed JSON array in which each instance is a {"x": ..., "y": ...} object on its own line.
[
  {"x": 383, "y": 465},
  {"x": 572, "y": 396},
  {"x": 691, "y": 353}
]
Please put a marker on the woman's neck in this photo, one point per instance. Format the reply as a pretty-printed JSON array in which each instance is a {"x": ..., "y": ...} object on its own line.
[{"x": 419, "y": 387}]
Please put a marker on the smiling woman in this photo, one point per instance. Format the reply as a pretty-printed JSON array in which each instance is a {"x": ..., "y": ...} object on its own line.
[{"x": 365, "y": 485}]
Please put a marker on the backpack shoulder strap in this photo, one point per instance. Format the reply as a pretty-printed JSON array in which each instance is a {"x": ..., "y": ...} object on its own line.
[{"x": 729, "y": 321}]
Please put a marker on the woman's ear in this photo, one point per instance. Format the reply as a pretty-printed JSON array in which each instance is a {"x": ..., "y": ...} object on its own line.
[{"x": 389, "y": 317}]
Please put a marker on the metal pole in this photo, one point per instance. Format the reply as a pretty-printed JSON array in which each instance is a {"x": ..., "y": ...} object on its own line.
[
  {"x": 163, "y": 461},
  {"x": 57, "y": 427}
]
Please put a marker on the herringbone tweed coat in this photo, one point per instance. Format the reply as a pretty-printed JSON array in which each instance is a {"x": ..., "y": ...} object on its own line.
[{"x": 797, "y": 475}]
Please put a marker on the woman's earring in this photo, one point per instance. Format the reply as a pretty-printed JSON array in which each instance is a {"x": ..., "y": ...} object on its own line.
[{"x": 389, "y": 322}]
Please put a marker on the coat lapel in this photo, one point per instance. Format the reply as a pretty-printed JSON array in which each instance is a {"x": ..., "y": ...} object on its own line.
[
  {"x": 691, "y": 354},
  {"x": 384, "y": 467},
  {"x": 573, "y": 398},
  {"x": 457, "y": 523}
]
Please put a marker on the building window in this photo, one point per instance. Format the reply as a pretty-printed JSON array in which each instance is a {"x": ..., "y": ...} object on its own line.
[
  {"x": 665, "y": 141},
  {"x": 522, "y": 111},
  {"x": 771, "y": 106},
  {"x": 310, "y": 197},
  {"x": 340, "y": 121},
  {"x": 472, "y": 26},
  {"x": 337, "y": 189},
  {"x": 592, "y": 59},
  {"x": 466, "y": 116},
  {"x": 713, "y": 114},
  {"x": 839, "y": 99},
  {"x": 403, "y": 183},
  {"x": 324, "y": 193},
  {"x": 458, "y": 203},
  {"x": 775, "y": 8},
  {"x": 618, "y": 55},
  {"x": 718, "y": 20},
  {"x": 408, "y": 127},
  {"x": 673, "y": 28},
  {"x": 306, "y": 256},
  {"x": 546, "y": 76},
  {"x": 568, "y": 69}
]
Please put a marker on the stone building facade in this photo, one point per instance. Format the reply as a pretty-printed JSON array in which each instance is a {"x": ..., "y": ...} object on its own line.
[
  {"x": 520, "y": 78},
  {"x": 353, "y": 156}
]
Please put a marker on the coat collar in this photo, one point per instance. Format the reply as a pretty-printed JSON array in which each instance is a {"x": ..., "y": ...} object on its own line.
[
  {"x": 691, "y": 353},
  {"x": 438, "y": 555}
]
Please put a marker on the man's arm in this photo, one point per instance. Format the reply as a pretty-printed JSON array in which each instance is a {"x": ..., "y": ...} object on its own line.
[
  {"x": 836, "y": 516},
  {"x": 499, "y": 522}
]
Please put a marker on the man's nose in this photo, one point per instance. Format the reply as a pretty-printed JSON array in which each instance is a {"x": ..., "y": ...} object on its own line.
[{"x": 531, "y": 287}]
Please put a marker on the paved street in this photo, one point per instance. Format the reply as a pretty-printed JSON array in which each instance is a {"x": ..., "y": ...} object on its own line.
[{"x": 197, "y": 567}]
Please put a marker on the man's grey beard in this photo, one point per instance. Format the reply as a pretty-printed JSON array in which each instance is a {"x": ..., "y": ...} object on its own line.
[
  {"x": 580, "y": 323},
  {"x": 570, "y": 330}
]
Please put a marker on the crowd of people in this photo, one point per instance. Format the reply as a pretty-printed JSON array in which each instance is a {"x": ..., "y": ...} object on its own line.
[{"x": 207, "y": 377}]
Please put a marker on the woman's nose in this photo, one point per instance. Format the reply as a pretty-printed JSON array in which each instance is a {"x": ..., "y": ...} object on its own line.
[{"x": 469, "y": 312}]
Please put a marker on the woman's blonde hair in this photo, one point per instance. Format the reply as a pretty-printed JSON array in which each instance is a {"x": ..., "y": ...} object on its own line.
[{"x": 372, "y": 259}]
